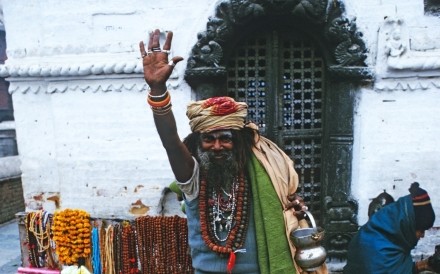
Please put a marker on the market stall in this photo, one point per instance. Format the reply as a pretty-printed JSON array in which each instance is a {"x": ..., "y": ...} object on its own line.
[{"x": 71, "y": 241}]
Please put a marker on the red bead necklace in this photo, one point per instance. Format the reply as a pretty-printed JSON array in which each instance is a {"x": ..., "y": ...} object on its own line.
[{"x": 237, "y": 206}]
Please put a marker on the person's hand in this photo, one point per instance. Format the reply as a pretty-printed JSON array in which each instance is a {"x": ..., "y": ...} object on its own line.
[
  {"x": 157, "y": 67},
  {"x": 422, "y": 266},
  {"x": 298, "y": 204}
]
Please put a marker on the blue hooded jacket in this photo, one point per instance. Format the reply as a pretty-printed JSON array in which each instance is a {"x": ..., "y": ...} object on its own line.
[{"x": 384, "y": 243}]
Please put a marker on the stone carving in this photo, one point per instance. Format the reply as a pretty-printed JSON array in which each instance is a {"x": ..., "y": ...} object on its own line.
[
  {"x": 394, "y": 46},
  {"x": 341, "y": 224},
  {"x": 395, "y": 58},
  {"x": 350, "y": 49},
  {"x": 66, "y": 49},
  {"x": 313, "y": 9},
  {"x": 407, "y": 85},
  {"x": 208, "y": 55},
  {"x": 340, "y": 34},
  {"x": 397, "y": 50},
  {"x": 61, "y": 87},
  {"x": 66, "y": 69}
]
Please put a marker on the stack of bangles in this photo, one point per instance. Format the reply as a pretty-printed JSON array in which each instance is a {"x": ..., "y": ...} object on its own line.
[{"x": 160, "y": 104}]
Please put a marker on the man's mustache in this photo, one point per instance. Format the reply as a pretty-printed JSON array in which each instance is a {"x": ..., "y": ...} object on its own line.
[{"x": 212, "y": 154}]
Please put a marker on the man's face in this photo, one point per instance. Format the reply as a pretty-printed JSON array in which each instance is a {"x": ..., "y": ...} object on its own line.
[
  {"x": 218, "y": 144},
  {"x": 216, "y": 156}
]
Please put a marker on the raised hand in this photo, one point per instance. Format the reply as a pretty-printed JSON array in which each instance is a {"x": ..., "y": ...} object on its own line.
[{"x": 157, "y": 67}]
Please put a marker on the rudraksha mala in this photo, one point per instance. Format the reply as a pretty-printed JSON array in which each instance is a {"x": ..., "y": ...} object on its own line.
[
  {"x": 237, "y": 234},
  {"x": 117, "y": 247},
  {"x": 128, "y": 252},
  {"x": 163, "y": 244}
]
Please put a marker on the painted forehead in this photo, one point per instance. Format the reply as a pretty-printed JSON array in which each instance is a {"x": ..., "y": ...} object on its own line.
[{"x": 218, "y": 133}]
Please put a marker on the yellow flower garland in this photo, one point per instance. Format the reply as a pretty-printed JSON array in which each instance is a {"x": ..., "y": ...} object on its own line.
[{"x": 72, "y": 233}]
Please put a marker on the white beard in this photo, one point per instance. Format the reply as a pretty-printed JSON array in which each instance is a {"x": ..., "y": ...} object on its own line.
[{"x": 218, "y": 174}]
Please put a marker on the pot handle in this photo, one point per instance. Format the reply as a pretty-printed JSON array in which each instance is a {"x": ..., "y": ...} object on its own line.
[{"x": 312, "y": 220}]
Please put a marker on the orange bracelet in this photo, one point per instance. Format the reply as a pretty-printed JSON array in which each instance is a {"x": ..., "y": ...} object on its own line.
[{"x": 159, "y": 104}]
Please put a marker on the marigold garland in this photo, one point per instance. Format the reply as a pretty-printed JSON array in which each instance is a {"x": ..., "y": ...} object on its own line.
[{"x": 72, "y": 233}]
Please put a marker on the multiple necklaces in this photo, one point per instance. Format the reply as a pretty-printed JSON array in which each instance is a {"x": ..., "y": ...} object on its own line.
[
  {"x": 225, "y": 213},
  {"x": 222, "y": 208},
  {"x": 38, "y": 233}
]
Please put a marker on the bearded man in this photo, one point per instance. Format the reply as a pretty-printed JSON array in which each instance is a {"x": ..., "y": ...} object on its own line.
[{"x": 239, "y": 187}]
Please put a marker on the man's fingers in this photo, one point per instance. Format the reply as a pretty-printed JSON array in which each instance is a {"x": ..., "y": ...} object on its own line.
[
  {"x": 167, "y": 44},
  {"x": 142, "y": 48},
  {"x": 150, "y": 41},
  {"x": 175, "y": 60},
  {"x": 155, "y": 40},
  {"x": 299, "y": 214}
]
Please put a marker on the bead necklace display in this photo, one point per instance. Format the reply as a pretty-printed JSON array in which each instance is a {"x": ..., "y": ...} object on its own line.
[
  {"x": 41, "y": 248},
  {"x": 108, "y": 259},
  {"x": 157, "y": 239},
  {"x": 39, "y": 225},
  {"x": 129, "y": 254},
  {"x": 147, "y": 245},
  {"x": 96, "y": 251},
  {"x": 224, "y": 211},
  {"x": 72, "y": 235},
  {"x": 117, "y": 247}
]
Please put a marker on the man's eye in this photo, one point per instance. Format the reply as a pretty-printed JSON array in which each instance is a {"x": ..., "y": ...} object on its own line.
[
  {"x": 208, "y": 139},
  {"x": 225, "y": 139}
]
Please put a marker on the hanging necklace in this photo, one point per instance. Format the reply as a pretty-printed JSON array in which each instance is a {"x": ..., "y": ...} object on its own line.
[{"x": 224, "y": 210}]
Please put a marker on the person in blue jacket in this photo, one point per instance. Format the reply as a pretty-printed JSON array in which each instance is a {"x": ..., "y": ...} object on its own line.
[{"x": 384, "y": 243}]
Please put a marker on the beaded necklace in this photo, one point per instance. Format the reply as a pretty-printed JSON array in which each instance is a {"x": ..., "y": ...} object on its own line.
[
  {"x": 128, "y": 252},
  {"x": 162, "y": 244},
  {"x": 223, "y": 211},
  {"x": 32, "y": 242},
  {"x": 40, "y": 226},
  {"x": 231, "y": 214},
  {"x": 96, "y": 255},
  {"x": 109, "y": 266}
]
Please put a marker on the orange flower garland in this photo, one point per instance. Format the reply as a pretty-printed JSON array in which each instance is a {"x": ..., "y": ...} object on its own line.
[{"x": 71, "y": 234}]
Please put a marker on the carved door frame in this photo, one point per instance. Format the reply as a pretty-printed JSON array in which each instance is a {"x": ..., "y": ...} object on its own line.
[{"x": 344, "y": 53}]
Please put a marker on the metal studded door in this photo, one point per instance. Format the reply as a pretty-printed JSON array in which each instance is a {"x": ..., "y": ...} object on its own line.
[{"x": 280, "y": 77}]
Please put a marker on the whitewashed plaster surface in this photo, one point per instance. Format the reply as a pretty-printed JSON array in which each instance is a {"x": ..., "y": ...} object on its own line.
[{"x": 86, "y": 136}]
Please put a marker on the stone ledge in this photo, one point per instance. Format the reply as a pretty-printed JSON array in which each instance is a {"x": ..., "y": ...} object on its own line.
[{"x": 10, "y": 167}]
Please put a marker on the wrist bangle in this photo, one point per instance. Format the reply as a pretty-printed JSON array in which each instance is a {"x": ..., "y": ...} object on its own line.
[
  {"x": 161, "y": 103},
  {"x": 163, "y": 95},
  {"x": 162, "y": 110}
]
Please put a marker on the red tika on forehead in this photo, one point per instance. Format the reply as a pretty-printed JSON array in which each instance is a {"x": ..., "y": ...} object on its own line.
[{"x": 221, "y": 105}]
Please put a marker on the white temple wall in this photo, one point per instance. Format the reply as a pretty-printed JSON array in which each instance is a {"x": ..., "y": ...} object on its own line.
[
  {"x": 87, "y": 139},
  {"x": 396, "y": 144}
]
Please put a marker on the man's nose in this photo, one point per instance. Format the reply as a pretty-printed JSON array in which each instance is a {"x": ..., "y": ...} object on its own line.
[{"x": 217, "y": 145}]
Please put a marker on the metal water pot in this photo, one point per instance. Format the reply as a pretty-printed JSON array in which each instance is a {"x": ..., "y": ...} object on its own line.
[{"x": 309, "y": 252}]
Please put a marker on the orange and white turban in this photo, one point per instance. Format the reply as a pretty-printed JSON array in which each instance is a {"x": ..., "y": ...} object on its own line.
[{"x": 216, "y": 113}]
